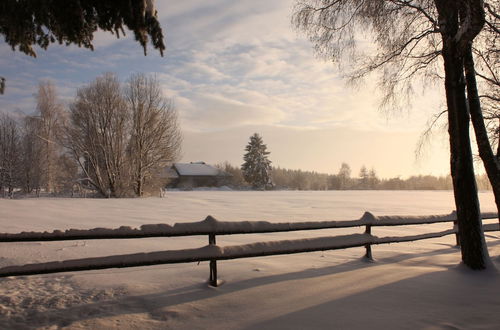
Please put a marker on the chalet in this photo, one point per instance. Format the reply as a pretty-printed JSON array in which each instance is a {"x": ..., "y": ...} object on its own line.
[{"x": 196, "y": 174}]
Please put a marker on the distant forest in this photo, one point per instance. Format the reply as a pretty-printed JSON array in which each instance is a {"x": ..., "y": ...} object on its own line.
[{"x": 283, "y": 178}]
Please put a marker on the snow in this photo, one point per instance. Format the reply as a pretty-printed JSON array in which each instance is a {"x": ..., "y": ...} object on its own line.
[{"x": 415, "y": 285}]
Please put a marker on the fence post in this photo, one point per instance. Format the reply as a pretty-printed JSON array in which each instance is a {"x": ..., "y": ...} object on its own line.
[
  {"x": 457, "y": 236},
  {"x": 213, "y": 262},
  {"x": 455, "y": 226},
  {"x": 367, "y": 216},
  {"x": 368, "y": 247}
]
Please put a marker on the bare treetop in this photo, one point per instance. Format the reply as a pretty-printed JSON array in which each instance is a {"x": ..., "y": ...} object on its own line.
[
  {"x": 405, "y": 33},
  {"x": 25, "y": 23}
]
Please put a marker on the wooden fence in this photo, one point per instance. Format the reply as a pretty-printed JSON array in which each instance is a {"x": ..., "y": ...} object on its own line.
[{"x": 212, "y": 252}]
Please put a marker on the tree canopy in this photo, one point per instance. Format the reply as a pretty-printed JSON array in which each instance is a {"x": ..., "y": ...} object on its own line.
[{"x": 26, "y": 23}]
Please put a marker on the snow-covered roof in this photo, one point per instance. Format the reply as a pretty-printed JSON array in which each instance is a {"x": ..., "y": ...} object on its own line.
[{"x": 197, "y": 168}]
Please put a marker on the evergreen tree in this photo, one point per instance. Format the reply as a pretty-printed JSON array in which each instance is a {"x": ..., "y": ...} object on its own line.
[
  {"x": 28, "y": 23},
  {"x": 256, "y": 168},
  {"x": 363, "y": 177},
  {"x": 372, "y": 179}
]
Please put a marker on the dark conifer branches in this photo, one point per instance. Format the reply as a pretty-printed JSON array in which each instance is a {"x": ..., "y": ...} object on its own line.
[
  {"x": 25, "y": 23},
  {"x": 256, "y": 168}
]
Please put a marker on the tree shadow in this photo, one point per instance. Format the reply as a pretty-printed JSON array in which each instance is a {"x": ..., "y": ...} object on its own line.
[{"x": 451, "y": 299}]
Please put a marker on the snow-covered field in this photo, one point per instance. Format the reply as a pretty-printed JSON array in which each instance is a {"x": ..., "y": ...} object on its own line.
[{"x": 417, "y": 285}]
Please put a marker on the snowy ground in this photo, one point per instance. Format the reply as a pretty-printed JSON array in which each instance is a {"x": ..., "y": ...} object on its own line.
[{"x": 416, "y": 285}]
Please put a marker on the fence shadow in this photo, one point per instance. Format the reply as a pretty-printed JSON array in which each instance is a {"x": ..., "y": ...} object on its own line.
[{"x": 147, "y": 303}]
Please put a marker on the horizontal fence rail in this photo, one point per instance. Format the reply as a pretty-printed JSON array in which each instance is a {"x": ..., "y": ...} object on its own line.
[{"x": 212, "y": 227}]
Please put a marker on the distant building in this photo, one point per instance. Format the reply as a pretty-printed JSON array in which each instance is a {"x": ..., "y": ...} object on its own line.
[{"x": 196, "y": 174}]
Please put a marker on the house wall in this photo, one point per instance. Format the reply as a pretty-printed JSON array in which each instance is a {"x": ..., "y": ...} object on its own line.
[{"x": 199, "y": 181}]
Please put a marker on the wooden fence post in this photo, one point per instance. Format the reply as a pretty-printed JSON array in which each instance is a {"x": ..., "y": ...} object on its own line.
[
  {"x": 213, "y": 263},
  {"x": 369, "y": 218},
  {"x": 457, "y": 236},
  {"x": 455, "y": 225},
  {"x": 368, "y": 247}
]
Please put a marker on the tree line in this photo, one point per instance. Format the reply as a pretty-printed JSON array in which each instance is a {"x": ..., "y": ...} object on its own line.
[
  {"x": 114, "y": 139},
  {"x": 256, "y": 172},
  {"x": 296, "y": 179}
]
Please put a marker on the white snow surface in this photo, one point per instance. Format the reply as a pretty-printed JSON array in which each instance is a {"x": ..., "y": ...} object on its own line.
[{"x": 414, "y": 285}]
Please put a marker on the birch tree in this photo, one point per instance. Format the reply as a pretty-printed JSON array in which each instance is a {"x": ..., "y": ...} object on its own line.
[
  {"x": 96, "y": 135},
  {"x": 155, "y": 138},
  {"x": 484, "y": 107},
  {"x": 414, "y": 39},
  {"x": 344, "y": 176},
  {"x": 32, "y": 157},
  {"x": 10, "y": 139},
  {"x": 49, "y": 115}
]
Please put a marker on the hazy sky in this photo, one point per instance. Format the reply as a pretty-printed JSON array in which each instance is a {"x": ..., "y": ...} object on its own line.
[{"x": 237, "y": 67}]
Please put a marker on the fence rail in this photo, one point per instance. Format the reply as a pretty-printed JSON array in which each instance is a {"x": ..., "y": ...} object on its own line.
[{"x": 212, "y": 252}]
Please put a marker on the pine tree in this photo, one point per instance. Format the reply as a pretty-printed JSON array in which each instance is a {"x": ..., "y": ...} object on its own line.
[
  {"x": 28, "y": 23},
  {"x": 363, "y": 177},
  {"x": 257, "y": 167}
]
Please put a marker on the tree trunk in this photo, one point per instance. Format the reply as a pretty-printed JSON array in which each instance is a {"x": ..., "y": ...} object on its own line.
[
  {"x": 472, "y": 242},
  {"x": 140, "y": 173},
  {"x": 139, "y": 185},
  {"x": 489, "y": 159}
]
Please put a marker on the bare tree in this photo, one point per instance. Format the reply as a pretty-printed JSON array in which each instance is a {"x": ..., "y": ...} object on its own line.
[
  {"x": 50, "y": 116},
  {"x": 10, "y": 139},
  {"x": 43, "y": 163},
  {"x": 96, "y": 135},
  {"x": 32, "y": 157},
  {"x": 410, "y": 37},
  {"x": 235, "y": 175},
  {"x": 482, "y": 60},
  {"x": 487, "y": 133},
  {"x": 344, "y": 176},
  {"x": 487, "y": 64},
  {"x": 155, "y": 138}
]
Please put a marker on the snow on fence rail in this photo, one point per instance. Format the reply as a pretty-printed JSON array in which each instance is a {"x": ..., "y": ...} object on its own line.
[{"x": 211, "y": 227}]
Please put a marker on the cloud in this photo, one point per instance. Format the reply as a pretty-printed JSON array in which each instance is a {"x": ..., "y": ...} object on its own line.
[
  {"x": 201, "y": 71},
  {"x": 214, "y": 110}
]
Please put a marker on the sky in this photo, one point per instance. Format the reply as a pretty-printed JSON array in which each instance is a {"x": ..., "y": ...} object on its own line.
[{"x": 234, "y": 68}]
